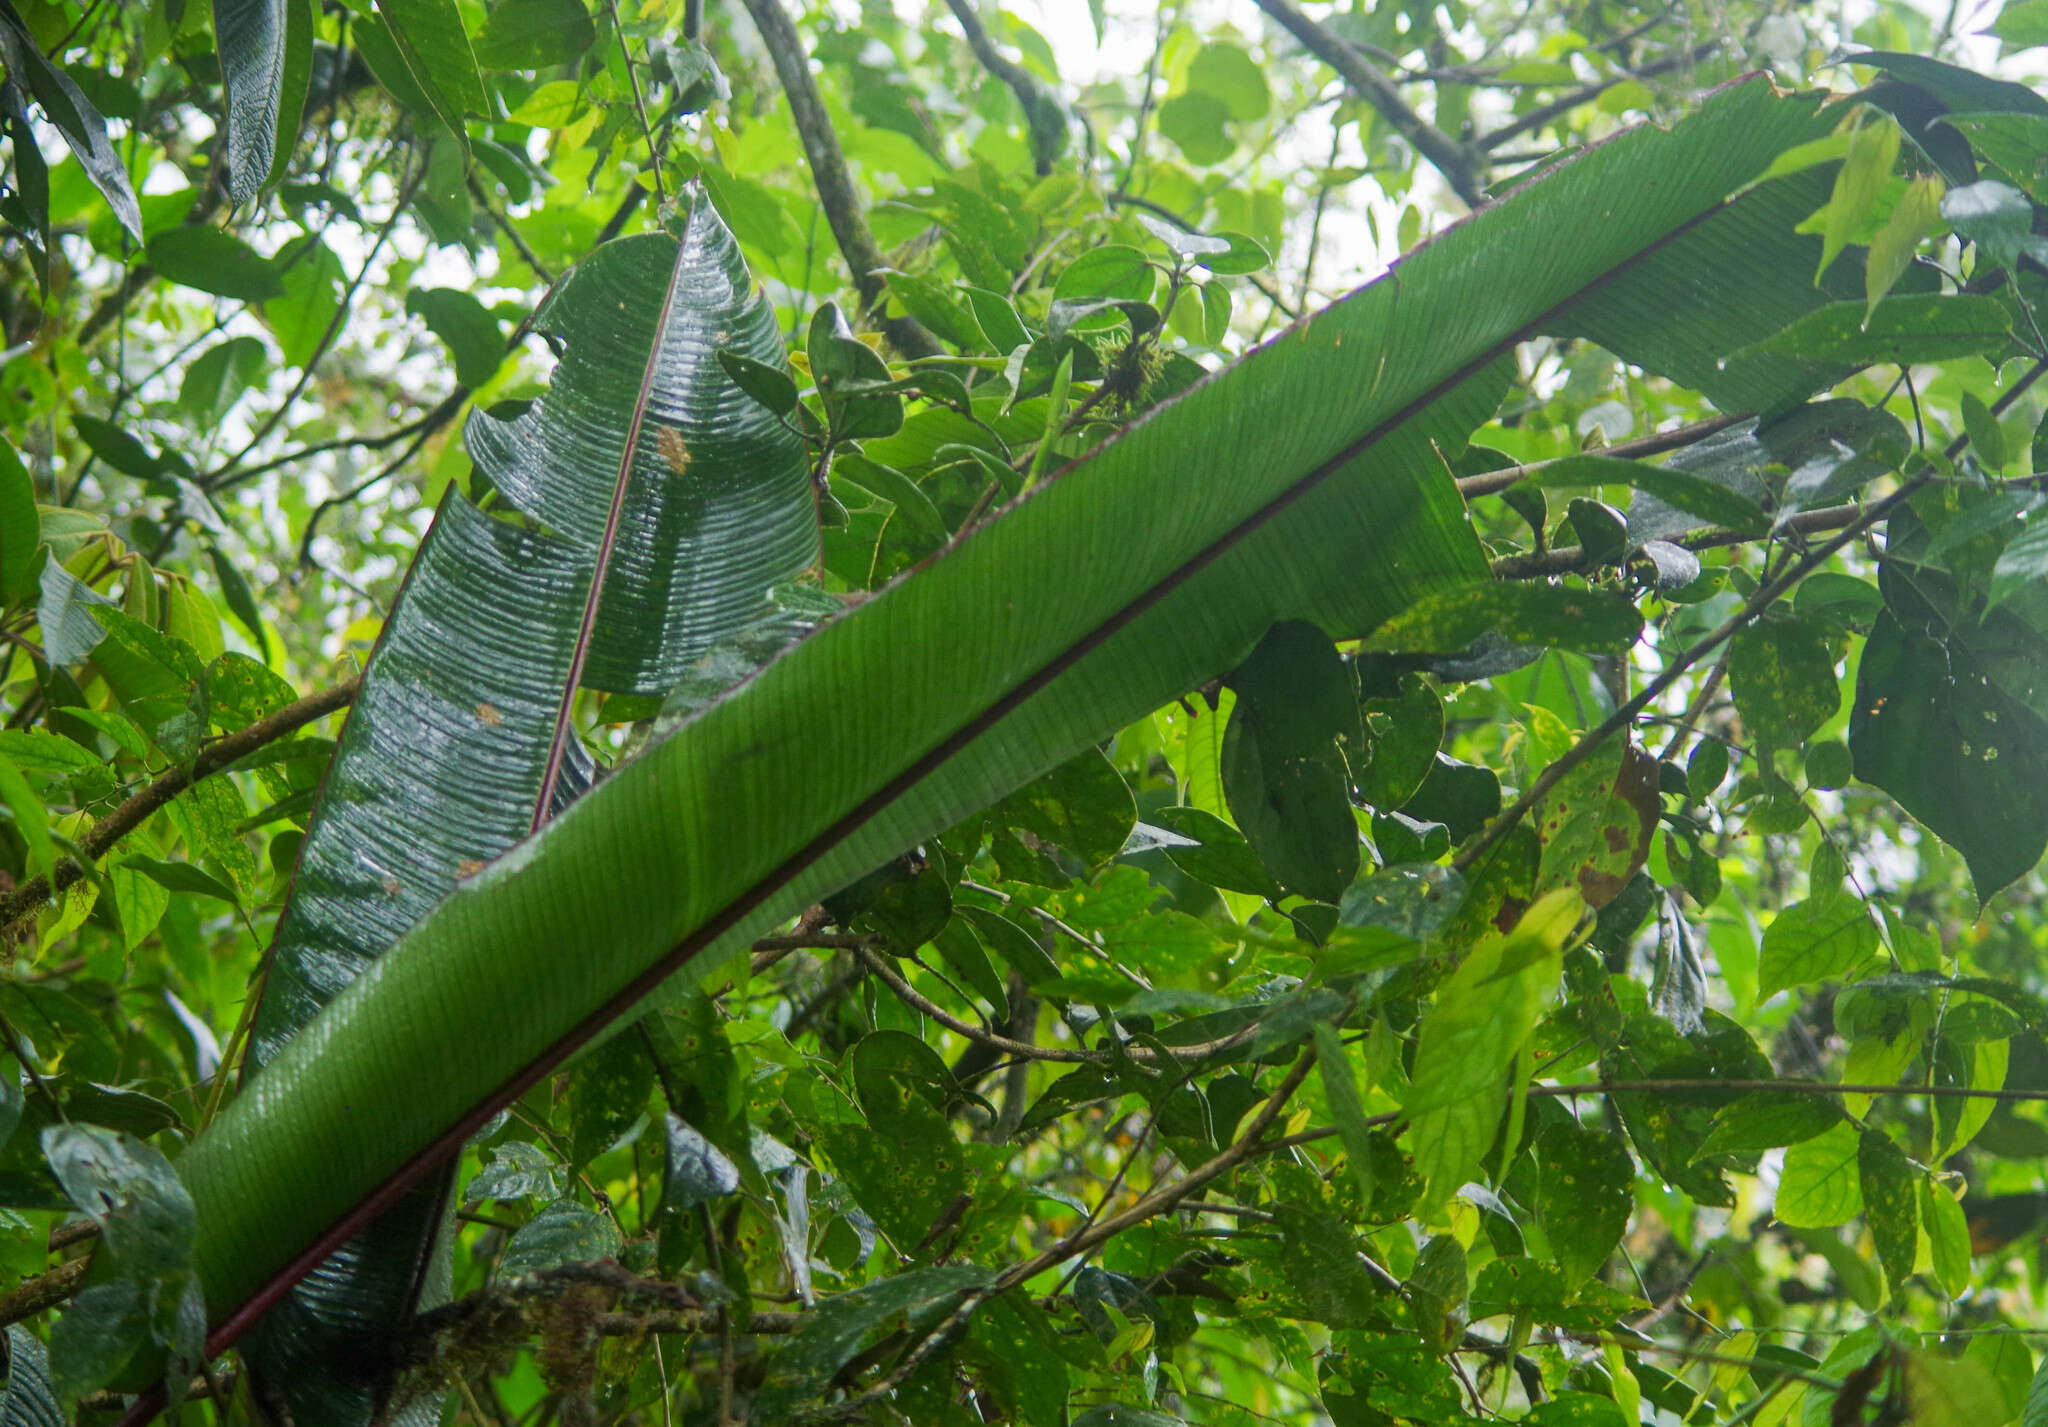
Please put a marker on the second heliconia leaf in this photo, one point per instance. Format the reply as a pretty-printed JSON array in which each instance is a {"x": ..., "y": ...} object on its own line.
[{"x": 445, "y": 756}]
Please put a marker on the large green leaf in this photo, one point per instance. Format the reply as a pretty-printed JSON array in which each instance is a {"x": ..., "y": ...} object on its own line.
[
  {"x": 1135, "y": 574},
  {"x": 446, "y": 754}
]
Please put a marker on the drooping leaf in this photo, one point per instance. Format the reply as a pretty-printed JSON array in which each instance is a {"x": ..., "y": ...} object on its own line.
[
  {"x": 20, "y": 530},
  {"x": 430, "y": 38},
  {"x": 253, "y": 39},
  {"x": 1284, "y": 772},
  {"x": 80, "y": 123},
  {"x": 1933, "y": 721},
  {"x": 1890, "y": 1203}
]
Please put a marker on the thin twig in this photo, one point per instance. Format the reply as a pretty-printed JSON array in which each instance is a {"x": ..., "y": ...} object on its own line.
[
  {"x": 1656, "y": 443},
  {"x": 1455, "y": 161},
  {"x": 1025, "y": 1050},
  {"x": 32, "y": 894}
]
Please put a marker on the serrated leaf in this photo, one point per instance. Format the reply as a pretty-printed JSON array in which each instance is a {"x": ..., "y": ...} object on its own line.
[{"x": 563, "y": 1232}]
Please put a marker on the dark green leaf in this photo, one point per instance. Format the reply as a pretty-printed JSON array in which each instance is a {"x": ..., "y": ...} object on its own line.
[
  {"x": 28, "y": 1400},
  {"x": 214, "y": 261},
  {"x": 1283, "y": 765},
  {"x": 252, "y": 37},
  {"x": 608, "y": 1096},
  {"x": 841, "y": 1323},
  {"x": 1340, "y": 1088},
  {"x": 75, "y": 117},
  {"x": 130, "y": 1190},
  {"x": 1083, "y": 805},
  {"x": 430, "y": 38},
  {"x": 1218, "y": 853},
  {"x": 1890, "y": 1204},
  {"x": 1402, "y": 720},
  {"x": 1694, "y": 494},
  {"x": 100, "y": 1331},
  {"x": 20, "y": 530},
  {"x": 1762, "y": 1121},
  {"x": 180, "y": 877},
  {"x": 534, "y": 34},
  {"x": 768, "y": 385},
  {"x": 1585, "y": 1191},
  {"x": 465, "y": 326},
  {"x": 1933, "y": 724},
  {"x": 563, "y": 1232}
]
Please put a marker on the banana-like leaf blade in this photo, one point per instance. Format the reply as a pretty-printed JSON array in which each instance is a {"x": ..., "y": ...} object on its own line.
[
  {"x": 444, "y": 756},
  {"x": 1303, "y": 482}
]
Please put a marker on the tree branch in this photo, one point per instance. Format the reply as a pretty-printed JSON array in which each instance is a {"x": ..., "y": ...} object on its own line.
[
  {"x": 1624, "y": 716},
  {"x": 214, "y": 758},
  {"x": 46, "y": 1290},
  {"x": 1564, "y": 104},
  {"x": 1043, "y": 114},
  {"x": 1458, "y": 164},
  {"x": 829, "y": 175},
  {"x": 1656, "y": 443},
  {"x": 1025, "y": 1050}
]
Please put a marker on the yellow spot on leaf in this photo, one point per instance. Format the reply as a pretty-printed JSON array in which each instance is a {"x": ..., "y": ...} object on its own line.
[{"x": 674, "y": 450}]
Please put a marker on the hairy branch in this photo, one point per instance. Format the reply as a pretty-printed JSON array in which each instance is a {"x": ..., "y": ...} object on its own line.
[{"x": 46, "y": 1290}]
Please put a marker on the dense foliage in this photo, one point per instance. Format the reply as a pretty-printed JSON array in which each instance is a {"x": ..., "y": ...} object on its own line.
[{"x": 1209, "y": 714}]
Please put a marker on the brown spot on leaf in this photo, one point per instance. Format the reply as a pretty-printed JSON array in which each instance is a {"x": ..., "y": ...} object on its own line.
[
  {"x": 488, "y": 714},
  {"x": 469, "y": 867},
  {"x": 674, "y": 450}
]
